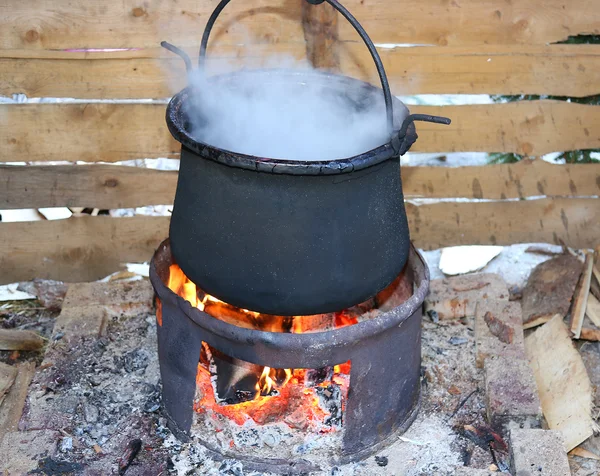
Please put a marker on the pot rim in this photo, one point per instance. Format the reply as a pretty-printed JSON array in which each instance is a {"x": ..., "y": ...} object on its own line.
[{"x": 175, "y": 123}]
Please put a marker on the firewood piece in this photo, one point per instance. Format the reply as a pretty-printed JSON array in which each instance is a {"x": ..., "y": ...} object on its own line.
[
  {"x": 132, "y": 450},
  {"x": 14, "y": 402},
  {"x": 592, "y": 309},
  {"x": 13, "y": 339},
  {"x": 236, "y": 380},
  {"x": 320, "y": 24},
  {"x": 581, "y": 295},
  {"x": 538, "y": 250},
  {"x": 563, "y": 384},
  {"x": 590, "y": 334},
  {"x": 549, "y": 289},
  {"x": 8, "y": 374},
  {"x": 583, "y": 453},
  {"x": 595, "y": 284}
]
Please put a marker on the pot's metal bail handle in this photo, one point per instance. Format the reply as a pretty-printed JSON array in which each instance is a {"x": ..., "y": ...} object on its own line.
[
  {"x": 353, "y": 21},
  {"x": 180, "y": 53},
  {"x": 401, "y": 141}
]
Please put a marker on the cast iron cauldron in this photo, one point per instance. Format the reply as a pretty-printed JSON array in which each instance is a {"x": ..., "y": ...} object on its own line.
[{"x": 292, "y": 237}]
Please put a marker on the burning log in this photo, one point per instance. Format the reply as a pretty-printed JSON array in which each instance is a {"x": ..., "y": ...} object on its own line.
[
  {"x": 395, "y": 294},
  {"x": 316, "y": 376},
  {"x": 236, "y": 380},
  {"x": 230, "y": 314}
]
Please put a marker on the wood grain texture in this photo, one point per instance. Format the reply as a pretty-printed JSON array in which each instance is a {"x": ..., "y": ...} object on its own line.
[
  {"x": 17, "y": 339},
  {"x": 88, "y": 248},
  {"x": 77, "y": 249},
  {"x": 580, "y": 297},
  {"x": 94, "y": 132},
  {"x": 93, "y": 186},
  {"x": 530, "y": 128},
  {"x": 320, "y": 24},
  {"x": 8, "y": 374},
  {"x": 63, "y": 24},
  {"x": 473, "y": 22},
  {"x": 576, "y": 221},
  {"x": 146, "y": 73},
  {"x": 560, "y": 70},
  {"x": 90, "y": 132},
  {"x": 527, "y": 178},
  {"x": 572, "y": 70},
  {"x": 113, "y": 186},
  {"x": 11, "y": 409}
]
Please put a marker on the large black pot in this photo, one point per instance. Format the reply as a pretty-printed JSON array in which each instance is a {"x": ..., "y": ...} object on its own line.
[{"x": 292, "y": 237}]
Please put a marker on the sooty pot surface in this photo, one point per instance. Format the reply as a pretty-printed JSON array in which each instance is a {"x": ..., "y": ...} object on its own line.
[{"x": 289, "y": 237}]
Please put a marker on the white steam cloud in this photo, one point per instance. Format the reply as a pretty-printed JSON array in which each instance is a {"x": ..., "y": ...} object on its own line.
[{"x": 295, "y": 116}]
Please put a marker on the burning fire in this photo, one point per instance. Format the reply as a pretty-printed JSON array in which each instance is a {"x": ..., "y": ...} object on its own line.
[
  {"x": 280, "y": 394},
  {"x": 293, "y": 403}
]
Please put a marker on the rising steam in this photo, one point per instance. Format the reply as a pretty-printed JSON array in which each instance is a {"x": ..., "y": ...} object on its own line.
[{"x": 298, "y": 116}]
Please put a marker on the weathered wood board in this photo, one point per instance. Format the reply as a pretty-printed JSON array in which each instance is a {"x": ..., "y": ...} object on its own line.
[
  {"x": 63, "y": 24},
  {"x": 88, "y": 248},
  {"x": 111, "y": 186},
  {"x": 571, "y": 70},
  {"x": 94, "y": 132}
]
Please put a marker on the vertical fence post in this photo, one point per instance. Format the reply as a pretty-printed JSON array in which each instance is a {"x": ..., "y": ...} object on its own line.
[{"x": 320, "y": 23}]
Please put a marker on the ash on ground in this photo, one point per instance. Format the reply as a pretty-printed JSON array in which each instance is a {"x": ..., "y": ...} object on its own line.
[
  {"x": 103, "y": 395},
  {"x": 436, "y": 444}
]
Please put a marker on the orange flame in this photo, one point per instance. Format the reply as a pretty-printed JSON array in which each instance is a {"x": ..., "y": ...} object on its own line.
[{"x": 270, "y": 379}]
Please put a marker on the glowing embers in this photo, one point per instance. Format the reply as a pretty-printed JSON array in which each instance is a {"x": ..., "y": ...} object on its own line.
[{"x": 308, "y": 400}]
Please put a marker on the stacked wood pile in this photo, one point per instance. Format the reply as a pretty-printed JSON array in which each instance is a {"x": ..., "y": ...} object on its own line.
[{"x": 104, "y": 52}]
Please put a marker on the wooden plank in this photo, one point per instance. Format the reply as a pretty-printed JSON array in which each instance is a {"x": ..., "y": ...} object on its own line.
[
  {"x": 560, "y": 70},
  {"x": 93, "y": 186},
  {"x": 77, "y": 249},
  {"x": 563, "y": 384},
  {"x": 473, "y": 22},
  {"x": 12, "y": 406},
  {"x": 94, "y": 132},
  {"x": 89, "y": 132},
  {"x": 112, "y": 186},
  {"x": 8, "y": 374},
  {"x": 146, "y": 73},
  {"x": 581, "y": 296},
  {"x": 156, "y": 73},
  {"x": 528, "y": 178},
  {"x": 320, "y": 24},
  {"x": 531, "y": 128},
  {"x": 88, "y": 248},
  {"x": 64, "y": 24},
  {"x": 576, "y": 221}
]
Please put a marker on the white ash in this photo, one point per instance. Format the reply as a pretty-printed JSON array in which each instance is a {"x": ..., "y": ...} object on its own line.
[
  {"x": 265, "y": 441},
  {"x": 125, "y": 362}
]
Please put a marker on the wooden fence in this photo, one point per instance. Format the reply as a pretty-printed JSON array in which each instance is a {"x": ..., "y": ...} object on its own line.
[{"x": 479, "y": 46}]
